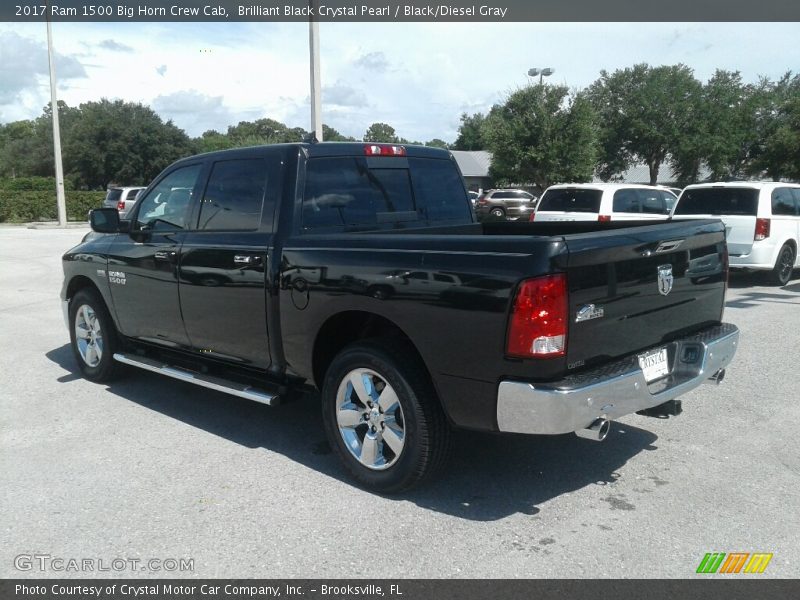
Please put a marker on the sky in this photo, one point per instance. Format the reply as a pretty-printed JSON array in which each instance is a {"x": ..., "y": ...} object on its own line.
[{"x": 418, "y": 77}]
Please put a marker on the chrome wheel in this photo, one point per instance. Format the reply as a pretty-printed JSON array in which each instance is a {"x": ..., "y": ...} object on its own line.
[
  {"x": 88, "y": 335},
  {"x": 370, "y": 419}
]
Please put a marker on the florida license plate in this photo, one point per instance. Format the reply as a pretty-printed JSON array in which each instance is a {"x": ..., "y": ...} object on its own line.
[{"x": 654, "y": 364}]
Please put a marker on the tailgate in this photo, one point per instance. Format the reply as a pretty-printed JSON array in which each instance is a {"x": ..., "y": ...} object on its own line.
[{"x": 632, "y": 289}]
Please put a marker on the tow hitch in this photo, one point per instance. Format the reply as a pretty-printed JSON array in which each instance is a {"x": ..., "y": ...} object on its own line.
[{"x": 670, "y": 408}]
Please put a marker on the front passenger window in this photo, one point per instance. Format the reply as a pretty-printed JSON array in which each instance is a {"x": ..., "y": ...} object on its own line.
[{"x": 167, "y": 205}]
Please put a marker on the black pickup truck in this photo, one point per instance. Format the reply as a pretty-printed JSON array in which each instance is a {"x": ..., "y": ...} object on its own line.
[{"x": 358, "y": 269}]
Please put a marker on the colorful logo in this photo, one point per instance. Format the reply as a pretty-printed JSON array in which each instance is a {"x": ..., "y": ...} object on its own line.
[{"x": 734, "y": 562}]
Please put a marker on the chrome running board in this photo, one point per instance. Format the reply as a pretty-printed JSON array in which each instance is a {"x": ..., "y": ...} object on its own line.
[{"x": 207, "y": 381}]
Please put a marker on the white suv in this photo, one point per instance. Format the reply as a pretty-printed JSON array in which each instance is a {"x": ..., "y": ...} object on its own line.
[
  {"x": 762, "y": 222},
  {"x": 603, "y": 202}
]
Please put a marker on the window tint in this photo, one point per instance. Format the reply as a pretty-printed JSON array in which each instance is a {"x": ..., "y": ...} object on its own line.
[
  {"x": 167, "y": 204},
  {"x": 343, "y": 191},
  {"x": 132, "y": 195},
  {"x": 783, "y": 202},
  {"x": 113, "y": 195},
  {"x": 234, "y": 195},
  {"x": 571, "y": 200},
  {"x": 718, "y": 201},
  {"x": 502, "y": 195},
  {"x": 439, "y": 190},
  {"x": 641, "y": 200}
]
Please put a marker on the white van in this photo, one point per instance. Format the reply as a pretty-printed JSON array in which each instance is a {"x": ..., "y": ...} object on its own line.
[
  {"x": 603, "y": 202},
  {"x": 762, "y": 222}
]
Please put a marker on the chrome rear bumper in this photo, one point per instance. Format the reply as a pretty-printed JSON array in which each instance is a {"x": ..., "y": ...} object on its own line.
[{"x": 613, "y": 390}]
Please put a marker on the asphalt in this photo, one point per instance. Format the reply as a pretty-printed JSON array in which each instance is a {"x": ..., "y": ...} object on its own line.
[{"x": 152, "y": 468}]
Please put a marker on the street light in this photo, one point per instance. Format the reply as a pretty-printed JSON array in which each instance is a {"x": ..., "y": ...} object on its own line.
[{"x": 546, "y": 72}]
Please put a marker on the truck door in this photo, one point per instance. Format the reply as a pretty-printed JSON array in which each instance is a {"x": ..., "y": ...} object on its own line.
[
  {"x": 143, "y": 265},
  {"x": 223, "y": 261}
]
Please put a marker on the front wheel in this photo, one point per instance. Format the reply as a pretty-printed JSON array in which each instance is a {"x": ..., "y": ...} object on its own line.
[
  {"x": 782, "y": 273},
  {"x": 93, "y": 336},
  {"x": 382, "y": 416}
]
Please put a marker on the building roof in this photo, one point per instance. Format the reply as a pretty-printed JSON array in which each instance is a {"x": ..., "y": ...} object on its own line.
[
  {"x": 473, "y": 163},
  {"x": 641, "y": 174}
]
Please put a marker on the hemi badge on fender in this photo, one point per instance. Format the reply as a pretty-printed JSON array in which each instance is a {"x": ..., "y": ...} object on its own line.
[
  {"x": 590, "y": 311},
  {"x": 101, "y": 272}
]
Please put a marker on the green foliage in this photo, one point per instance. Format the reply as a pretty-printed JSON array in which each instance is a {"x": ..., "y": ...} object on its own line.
[
  {"x": 30, "y": 184},
  {"x": 329, "y": 134},
  {"x": 382, "y": 133},
  {"x": 646, "y": 114},
  {"x": 470, "y": 133},
  {"x": 437, "y": 143},
  {"x": 29, "y": 206},
  {"x": 542, "y": 135},
  {"x": 121, "y": 142},
  {"x": 778, "y": 122}
]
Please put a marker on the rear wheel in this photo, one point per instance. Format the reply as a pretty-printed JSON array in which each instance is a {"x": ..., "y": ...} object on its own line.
[
  {"x": 382, "y": 416},
  {"x": 782, "y": 273},
  {"x": 93, "y": 336},
  {"x": 498, "y": 213}
]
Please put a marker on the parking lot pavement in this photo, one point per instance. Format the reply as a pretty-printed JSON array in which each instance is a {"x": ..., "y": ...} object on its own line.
[{"x": 152, "y": 468}]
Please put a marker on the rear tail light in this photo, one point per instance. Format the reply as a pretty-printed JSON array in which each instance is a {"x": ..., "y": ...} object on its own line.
[
  {"x": 762, "y": 230},
  {"x": 483, "y": 201},
  {"x": 537, "y": 327},
  {"x": 121, "y": 205},
  {"x": 384, "y": 150},
  {"x": 532, "y": 217},
  {"x": 603, "y": 218}
]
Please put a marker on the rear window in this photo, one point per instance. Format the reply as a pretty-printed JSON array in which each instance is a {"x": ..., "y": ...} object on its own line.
[
  {"x": 571, "y": 200},
  {"x": 113, "y": 195},
  {"x": 718, "y": 201},
  {"x": 349, "y": 191}
]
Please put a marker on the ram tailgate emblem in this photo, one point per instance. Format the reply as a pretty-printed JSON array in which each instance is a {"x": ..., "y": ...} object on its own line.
[
  {"x": 665, "y": 279},
  {"x": 590, "y": 311}
]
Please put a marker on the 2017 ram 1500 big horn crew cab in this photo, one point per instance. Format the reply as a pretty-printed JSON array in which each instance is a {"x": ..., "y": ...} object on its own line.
[{"x": 359, "y": 269}]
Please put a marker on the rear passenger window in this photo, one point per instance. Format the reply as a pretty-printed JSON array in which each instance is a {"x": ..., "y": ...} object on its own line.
[
  {"x": 627, "y": 201},
  {"x": 234, "y": 195},
  {"x": 344, "y": 191},
  {"x": 783, "y": 202}
]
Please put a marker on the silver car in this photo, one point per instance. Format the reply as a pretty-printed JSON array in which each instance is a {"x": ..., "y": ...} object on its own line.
[{"x": 121, "y": 198}]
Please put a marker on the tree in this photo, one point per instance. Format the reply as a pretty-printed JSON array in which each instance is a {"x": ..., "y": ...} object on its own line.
[
  {"x": 646, "y": 114},
  {"x": 329, "y": 134},
  {"x": 437, "y": 143},
  {"x": 470, "y": 133},
  {"x": 543, "y": 135},
  {"x": 381, "y": 132},
  {"x": 777, "y": 153},
  {"x": 121, "y": 142}
]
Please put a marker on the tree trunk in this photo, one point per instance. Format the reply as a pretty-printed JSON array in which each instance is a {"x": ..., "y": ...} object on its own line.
[{"x": 654, "y": 166}]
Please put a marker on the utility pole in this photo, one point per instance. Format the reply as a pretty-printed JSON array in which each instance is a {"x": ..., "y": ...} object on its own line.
[
  {"x": 316, "y": 91},
  {"x": 60, "y": 200}
]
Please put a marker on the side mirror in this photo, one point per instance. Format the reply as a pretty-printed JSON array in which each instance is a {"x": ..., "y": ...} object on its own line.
[{"x": 104, "y": 220}]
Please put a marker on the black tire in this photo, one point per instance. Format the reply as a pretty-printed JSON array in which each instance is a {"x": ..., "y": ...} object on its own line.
[
  {"x": 426, "y": 433},
  {"x": 782, "y": 272},
  {"x": 104, "y": 341},
  {"x": 497, "y": 213}
]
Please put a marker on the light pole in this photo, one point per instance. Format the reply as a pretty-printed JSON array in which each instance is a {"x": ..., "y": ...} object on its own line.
[
  {"x": 546, "y": 72},
  {"x": 316, "y": 91},
  {"x": 60, "y": 200}
]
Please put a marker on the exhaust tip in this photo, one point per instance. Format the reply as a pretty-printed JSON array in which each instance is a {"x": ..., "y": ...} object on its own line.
[{"x": 597, "y": 431}]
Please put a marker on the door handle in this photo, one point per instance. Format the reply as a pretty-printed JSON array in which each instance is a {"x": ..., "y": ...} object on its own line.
[
  {"x": 165, "y": 255},
  {"x": 246, "y": 259}
]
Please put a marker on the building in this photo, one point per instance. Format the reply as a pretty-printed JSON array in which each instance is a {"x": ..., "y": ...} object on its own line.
[
  {"x": 640, "y": 173},
  {"x": 474, "y": 165}
]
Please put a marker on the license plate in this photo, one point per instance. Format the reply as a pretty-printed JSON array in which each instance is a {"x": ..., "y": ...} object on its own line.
[{"x": 654, "y": 364}]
